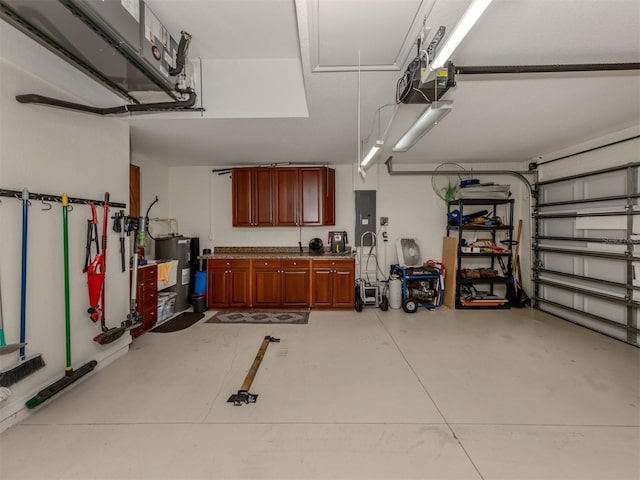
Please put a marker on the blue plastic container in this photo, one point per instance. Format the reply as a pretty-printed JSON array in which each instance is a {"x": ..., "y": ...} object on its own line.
[{"x": 200, "y": 286}]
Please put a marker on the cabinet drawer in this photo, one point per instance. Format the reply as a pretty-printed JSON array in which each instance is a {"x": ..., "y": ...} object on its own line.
[
  {"x": 265, "y": 263},
  {"x": 150, "y": 317},
  {"x": 228, "y": 263},
  {"x": 148, "y": 273},
  {"x": 334, "y": 263},
  {"x": 150, "y": 301},
  {"x": 291, "y": 264}
]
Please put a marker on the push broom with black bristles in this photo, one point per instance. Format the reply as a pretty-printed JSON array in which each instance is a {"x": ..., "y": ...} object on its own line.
[
  {"x": 4, "y": 350},
  {"x": 70, "y": 375},
  {"x": 26, "y": 365}
]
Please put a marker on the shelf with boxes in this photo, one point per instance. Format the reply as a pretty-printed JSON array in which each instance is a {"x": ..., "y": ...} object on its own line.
[{"x": 484, "y": 260}]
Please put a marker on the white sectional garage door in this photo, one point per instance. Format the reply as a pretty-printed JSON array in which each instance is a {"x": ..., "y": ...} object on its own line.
[{"x": 586, "y": 249}]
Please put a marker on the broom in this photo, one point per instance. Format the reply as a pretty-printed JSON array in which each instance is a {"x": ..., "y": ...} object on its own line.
[
  {"x": 26, "y": 366},
  {"x": 70, "y": 375},
  {"x": 5, "y": 349}
]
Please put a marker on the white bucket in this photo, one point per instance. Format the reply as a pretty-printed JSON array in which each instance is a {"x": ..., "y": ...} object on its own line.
[{"x": 395, "y": 292}]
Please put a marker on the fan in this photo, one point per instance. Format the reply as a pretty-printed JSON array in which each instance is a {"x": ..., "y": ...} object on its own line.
[
  {"x": 446, "y": 185},
  {"x": 408, "y": 252}
]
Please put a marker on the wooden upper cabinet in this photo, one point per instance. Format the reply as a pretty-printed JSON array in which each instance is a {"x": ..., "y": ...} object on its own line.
[
  {"x": 252, "y": 196},
  {"x": 263, "y": 196},
  {"x": 329, "y": 207},
  {"x": 287, "y": 203},
  {"x": 312, "y": 182},
  {"x": 285, "y": 197}
]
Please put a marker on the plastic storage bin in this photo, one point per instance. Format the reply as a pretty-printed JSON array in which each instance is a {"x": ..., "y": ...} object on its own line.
[{"x": 166, "y": 305}]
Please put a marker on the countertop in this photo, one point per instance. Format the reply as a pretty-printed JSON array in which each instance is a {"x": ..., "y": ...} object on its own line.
[{"x": 272, "y": 252}]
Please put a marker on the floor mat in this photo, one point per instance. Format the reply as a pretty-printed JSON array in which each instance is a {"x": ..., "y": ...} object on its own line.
[
  {"x": 180, "y": 322},
  {"x": 251, "y": 316}
]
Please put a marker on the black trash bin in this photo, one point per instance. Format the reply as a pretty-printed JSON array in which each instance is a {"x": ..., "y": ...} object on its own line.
[{"x": 199, "y": 303}]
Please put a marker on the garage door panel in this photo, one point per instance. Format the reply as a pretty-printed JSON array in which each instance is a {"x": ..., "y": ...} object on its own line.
[{"x": 590, "y": 278}]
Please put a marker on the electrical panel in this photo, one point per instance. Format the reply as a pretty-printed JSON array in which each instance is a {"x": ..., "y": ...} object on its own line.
[{"x": 365, "y": 216}]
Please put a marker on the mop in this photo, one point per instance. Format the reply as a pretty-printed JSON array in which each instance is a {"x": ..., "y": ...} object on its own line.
[{"x": 70, "y": 375}]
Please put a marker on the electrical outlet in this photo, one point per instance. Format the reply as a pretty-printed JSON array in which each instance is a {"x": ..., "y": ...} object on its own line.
[{"x": 384, "y": 221}]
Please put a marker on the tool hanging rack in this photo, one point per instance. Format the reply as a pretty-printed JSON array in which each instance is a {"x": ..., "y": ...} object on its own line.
[{"x": 57, "y": 198}]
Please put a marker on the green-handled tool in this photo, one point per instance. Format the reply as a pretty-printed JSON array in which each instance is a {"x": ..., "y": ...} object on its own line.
[{"x": 70, "y": 375}]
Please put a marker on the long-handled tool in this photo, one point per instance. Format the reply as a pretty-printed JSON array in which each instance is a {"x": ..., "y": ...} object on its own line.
[
  {"x": 4, "y": 348},
  {"x": 94, "y": 268},
  {"x": 243, "y": 395},
  {"x": 134, "y": 319},
  {"x": 25, "y": 366},
  {"x": 70, "y": 375},
  {"x": 140, "y": 228},
  {"x": 119, "y": 227},
  {"x": 521, "y": 296},
  {"x": 96, "y": 278}
]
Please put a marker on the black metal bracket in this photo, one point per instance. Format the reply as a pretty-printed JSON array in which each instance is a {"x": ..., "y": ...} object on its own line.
[
  {"x": 44, "y": 197},
  {"x": 243, "y": 397}
]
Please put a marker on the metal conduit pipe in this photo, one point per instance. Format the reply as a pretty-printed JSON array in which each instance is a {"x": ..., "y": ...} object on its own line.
[
  {"x": 518, "y": 174},
  {"x": 121, "y": 109}
]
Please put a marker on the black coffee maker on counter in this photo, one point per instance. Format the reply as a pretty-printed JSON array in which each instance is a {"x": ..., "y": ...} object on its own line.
[{"x": 338, "y": 241}]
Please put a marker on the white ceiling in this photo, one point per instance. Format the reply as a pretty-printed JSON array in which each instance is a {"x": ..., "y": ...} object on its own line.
[{"x": 288, "y": 80}]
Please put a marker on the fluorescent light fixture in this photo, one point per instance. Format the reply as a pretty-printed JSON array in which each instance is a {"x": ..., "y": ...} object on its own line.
[
  {"x": 372, "y": 153},
  {"x": 468, "y": 20},
  {"x": 429, "y": 119}
]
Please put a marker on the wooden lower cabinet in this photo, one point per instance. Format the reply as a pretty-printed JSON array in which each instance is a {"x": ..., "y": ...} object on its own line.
[
  {"x": 296, "y": 283},
  {"x": 266, "y": 283},
  {"x": 228, "y": 283},
  {"x": 281, "y": 283},
  {"x": 147, "y": 297},
  {"x": 333, "y": 283}
]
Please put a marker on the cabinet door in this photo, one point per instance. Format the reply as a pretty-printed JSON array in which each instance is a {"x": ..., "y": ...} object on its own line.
[
  {"x": 312, "y": 181},
  {"x": 239, "y": 290},
  {"x": 322, "y": 287},
  {"x": 296, "y": 283},
  {"x": 263, "y": 196},
  {"x": 329, "y": 206},
  {"x": 242, "y": 197},
  {"x": 217, "y": 287},
  {"x": 286, "y": 197},
  {"x": 266, "y": 283},
  {"x": 343, "y": 287}
]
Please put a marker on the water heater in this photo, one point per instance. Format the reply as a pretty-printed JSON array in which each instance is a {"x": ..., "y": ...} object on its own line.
[{"x": 177, "y": 248}]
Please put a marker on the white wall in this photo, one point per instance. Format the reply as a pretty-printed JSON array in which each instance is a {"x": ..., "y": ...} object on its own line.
[
  {"x": 154, "y": 182},
  {"x": 201, "y": 200},
  {"x": 53, "y": 151},
  {"x": 415, "y": 211}
]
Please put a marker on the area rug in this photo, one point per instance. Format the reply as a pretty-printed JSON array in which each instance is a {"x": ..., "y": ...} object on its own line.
[
  {"x": 179, "y": 322},
  {"x": 257, "y": 316}
]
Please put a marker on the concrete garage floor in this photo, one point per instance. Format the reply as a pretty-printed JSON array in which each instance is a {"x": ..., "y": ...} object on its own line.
[{"x": 513, "y": 394}]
